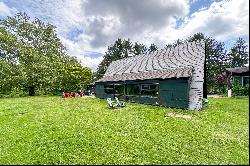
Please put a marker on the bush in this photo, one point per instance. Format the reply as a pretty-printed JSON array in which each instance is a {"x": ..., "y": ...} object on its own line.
[
  {"x": 239, "y": 90},
  {"x": 15, "y": 92},
  {"x": 222, "y": 90}
]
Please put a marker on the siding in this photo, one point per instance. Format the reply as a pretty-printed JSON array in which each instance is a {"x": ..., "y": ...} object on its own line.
[{"x": 172, "y": 93}]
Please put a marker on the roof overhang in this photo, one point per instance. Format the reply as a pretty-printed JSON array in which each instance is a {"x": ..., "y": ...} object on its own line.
[{"x": 238, "y": 71}]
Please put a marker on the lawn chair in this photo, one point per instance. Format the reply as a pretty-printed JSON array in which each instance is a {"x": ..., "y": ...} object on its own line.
[
  {"x": 111, "y": 103},
  {"x": 120, "y": 103}
]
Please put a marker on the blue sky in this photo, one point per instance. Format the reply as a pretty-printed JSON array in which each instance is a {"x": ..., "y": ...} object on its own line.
[{"x": 88, "y": 27}]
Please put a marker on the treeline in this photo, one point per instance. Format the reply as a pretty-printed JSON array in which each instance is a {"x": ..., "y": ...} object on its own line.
[
  {"x": 218, "y": 58},
  {"x": 33, "y": 59}
]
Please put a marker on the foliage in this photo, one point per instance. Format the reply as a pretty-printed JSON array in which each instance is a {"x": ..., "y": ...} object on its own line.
[
  {"x": 239, "y": 55},
  {"x": 221, "y": 79},
  {"x": 53, "y": 130},
  {"x": 221, "y": 82},
  {"x": 32, "y": 56},
  {"x": 239, "y": 90},
  {"x": 139, "y": 49},
  {"x": 120, "y": 49},
  {"x": 152, "y": 48},
  {"x": 75, "y": 77},
  {"x": 217, "y": 59}
]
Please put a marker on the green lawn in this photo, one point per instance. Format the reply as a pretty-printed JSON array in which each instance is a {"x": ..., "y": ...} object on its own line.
[{"x": 53, "y": 130}]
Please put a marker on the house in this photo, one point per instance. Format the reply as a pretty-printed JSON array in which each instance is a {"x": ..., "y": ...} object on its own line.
[
  {"x": 170, "y": 77},
  {"x": 237, "y": 74}
]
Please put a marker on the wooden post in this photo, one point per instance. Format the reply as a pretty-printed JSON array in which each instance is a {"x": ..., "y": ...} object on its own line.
[
  {"x": 126, "y": 91},
  {"x": 229, "y": 91},
  {"x": 113, "y": 90}
]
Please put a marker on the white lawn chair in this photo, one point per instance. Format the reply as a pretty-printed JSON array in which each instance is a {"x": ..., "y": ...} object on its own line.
[
  {"x": 120, "y": 103},
  {"x": 111, "y": 103}
]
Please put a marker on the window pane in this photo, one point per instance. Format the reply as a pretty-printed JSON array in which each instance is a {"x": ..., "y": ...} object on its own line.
[
  {"x": 145, "y": 87},
  {"x": 238, "y": 80},
  {"x": 108, "y": 89},
  {"x": 154, "y": 86},
  {"x": 245, "y": 81},
  {"x": 119, "y": 89},
  {"x": 120, "y": 97},
  {"x": 150, "y": 90},
  {"x": 108, "y": 86},
  {"x": 133, "y": 89}
]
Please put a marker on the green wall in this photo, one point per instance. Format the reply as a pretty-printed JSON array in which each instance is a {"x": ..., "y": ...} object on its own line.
[{"x": 171, "y": 92}]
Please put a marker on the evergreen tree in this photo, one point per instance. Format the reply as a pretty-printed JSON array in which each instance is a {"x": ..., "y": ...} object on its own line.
[
  {"x": 239, "y": 55},
  {"x": 152, "y": 48}
]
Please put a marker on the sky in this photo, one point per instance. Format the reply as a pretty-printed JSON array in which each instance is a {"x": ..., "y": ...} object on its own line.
[{"x": 88, "y": 27}]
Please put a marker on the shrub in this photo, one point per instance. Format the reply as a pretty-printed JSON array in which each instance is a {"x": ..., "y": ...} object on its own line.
[
  {"x": 15, "y": 92},
  {"x": 239, "y": 90}
]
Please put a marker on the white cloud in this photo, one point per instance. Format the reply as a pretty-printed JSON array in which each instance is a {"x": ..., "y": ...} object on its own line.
[
  {"x": 222, "y": 20},
  {"x": 90, "y": 62},
  {"x": 5, "y": 10},
  {"x": 111, "y": 19},
  {"x": 93, "y": 25},
  {"x": 76, "y": 50}
]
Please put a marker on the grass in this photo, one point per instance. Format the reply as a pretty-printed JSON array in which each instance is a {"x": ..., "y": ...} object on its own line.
[{"x": 53, "y": 130}]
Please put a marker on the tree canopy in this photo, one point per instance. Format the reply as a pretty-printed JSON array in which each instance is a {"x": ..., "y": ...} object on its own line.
[
  {"x": 32, "y": 57},
  {"x": 239, "y": 55}
]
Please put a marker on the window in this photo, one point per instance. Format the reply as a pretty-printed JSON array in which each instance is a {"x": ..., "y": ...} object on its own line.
[
  {"x": 149, "y": 90},
  {"x": 245, "y": 80},
  {"x": 108, "y": 88},
  {"x": 119, "y": 89},
  {"x": 241, "y": 80},
  {"x": 133, "y": 89},
  {"x": 238, "y": 80}
]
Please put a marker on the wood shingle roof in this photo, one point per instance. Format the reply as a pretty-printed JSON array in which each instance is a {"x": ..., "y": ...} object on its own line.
[
  {"x": 238, "y": 70},
  {"x": 176, "y": 62}
]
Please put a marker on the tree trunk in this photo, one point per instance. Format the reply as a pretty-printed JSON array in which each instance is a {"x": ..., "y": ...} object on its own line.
[{"x": 31, "y": 90}]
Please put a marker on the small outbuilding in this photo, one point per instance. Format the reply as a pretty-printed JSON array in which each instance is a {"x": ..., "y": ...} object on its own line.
[
  {"x": 170, "y": 77},
  {"x": 240, "y": 74},
  {"x": 237, "y": 74}
]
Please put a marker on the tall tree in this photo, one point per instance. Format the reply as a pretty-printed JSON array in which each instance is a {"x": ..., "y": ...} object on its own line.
[
  {"x": 34, "y": 47},
  {"x": 75, "y": 76},
  {"x": 139, "y": 49},
  {"x": 152, "y": 48},
  {"x": 217, "y": 58},
  {"x": 39, "y": 47},
  {"x": 120, "y": 49},
  {"x": 239, "y": 55},
  {"x": 10, "y": 68}
]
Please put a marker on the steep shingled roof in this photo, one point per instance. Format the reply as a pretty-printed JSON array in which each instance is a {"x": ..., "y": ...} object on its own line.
[{"x": 176, "y": 62}]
